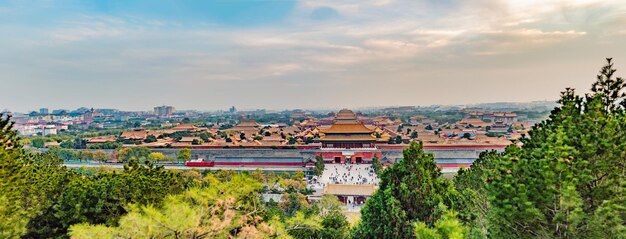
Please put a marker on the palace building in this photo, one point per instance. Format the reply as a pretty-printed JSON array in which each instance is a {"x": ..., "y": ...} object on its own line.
[{"x": 347, "y": 132}]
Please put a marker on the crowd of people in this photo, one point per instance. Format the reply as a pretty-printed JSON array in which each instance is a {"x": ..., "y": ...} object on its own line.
[{"x": 347, "y": 174}]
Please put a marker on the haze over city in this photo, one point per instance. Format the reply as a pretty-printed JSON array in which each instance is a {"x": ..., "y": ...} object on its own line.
[{"x": 209, "y": 55}]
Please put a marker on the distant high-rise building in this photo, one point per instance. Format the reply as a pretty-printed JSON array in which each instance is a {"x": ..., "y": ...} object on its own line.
[
  {"x": 43, "y": 111},
  {"x": 164, "y": 110},
  {"x": 232, "y": 110},
  {"x": 91, "y": 114},
  {"x": 59, "y": 112}
]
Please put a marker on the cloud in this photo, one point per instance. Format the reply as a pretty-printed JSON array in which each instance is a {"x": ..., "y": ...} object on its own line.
[
  {"x": 372, "y": 48},
  {"x": 324, "y": 13}
]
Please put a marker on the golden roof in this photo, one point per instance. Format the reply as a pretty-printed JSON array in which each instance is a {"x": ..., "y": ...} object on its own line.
[
  {"x": 347, "y": 138},
  {"x": 350, "y": 189},
  {"x": 355, "y": 128},
  {"x": 135, "y": 134}
]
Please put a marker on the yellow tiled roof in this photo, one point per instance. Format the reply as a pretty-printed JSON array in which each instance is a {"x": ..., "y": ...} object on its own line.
[{"x": 350, "y": 189}]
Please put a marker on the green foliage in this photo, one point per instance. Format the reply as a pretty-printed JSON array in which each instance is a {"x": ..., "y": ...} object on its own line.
[
  {"x": 64, "y": 154},
  {"x": 298, "y": 175},
  {"x": 409, "y": 192},
  {"x": 291, "y": 140},
  {"x": 37, "y": 143},
  {"x": 102, "y": 198},
  {"x": 376, "y": 165},
  {"x": 28, "y": 184},
  {"x": 8, "y": 137},
  {"x": 178, "y": 135},
  {"x": 223, "y": 210},
  {"x": 319, "y": 165},
  {"x": 139, "y": 152},
  {"x": 293, "y": 202},
  {"x": 334, "y": 226},
  {"x": 156, "y": 157},
  {"x": 106, "y": 145},
  {"x": 205, "y": 136},
  {"x": 567, "y": 179},
  {"x": 13, "y": 219},
  {"x": 68, "y": 144},
  {"x": 150, "y": 139},
  {"x": 184, "y": 154},
  {"x": 447, "y": 227}
]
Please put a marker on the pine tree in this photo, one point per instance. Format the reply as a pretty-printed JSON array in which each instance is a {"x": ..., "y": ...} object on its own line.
[
  {"x": 567, "y": 180},
  {"x": 409, "y": 192}
]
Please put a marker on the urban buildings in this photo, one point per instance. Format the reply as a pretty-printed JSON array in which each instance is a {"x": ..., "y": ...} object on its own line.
[{"x": 164, "y": 110}]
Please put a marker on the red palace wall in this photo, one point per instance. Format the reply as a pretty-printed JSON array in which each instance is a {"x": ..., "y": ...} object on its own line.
[{"x": 365, "y": 156}]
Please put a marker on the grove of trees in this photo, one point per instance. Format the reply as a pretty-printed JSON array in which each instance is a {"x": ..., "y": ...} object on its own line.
[{"x": 566, "y": 181}]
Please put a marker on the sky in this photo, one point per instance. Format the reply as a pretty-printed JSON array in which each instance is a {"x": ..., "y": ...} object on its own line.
[{"x": 284, "y": 54}]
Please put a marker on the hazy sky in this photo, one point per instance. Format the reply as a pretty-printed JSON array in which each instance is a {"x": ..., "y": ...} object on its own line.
[{"x": 279, "y": 54}]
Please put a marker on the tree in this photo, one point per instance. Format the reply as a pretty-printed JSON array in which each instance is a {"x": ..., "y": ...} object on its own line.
[
  {"x": 105, "y": 196},
  {"x": 328, "y": 204},
  {"x": 100, "y": 155},
  {"x": 8, "y": 137},
  {"x": 205, "y": 136},
  {"x": 197, "y": 142},
  {"x": 291, "y": 140},
  {"x": 38, "y": 143},
  {"x": 293, "y": 202},
  {"x": 84, "y": 155},
  {"x": 567, "y": 179},
  {"x": 65, "y": 154},
  {"x": 298, "y": 175},
  {"x": 106, "y": 145},
  {"x": 376, "y": 165},
  {"x": 184, "y": 154},
  {"x": 29, "y": 183},
  {"x": 334, "y": 225},
  {"x": 225, "y": 210},
  {"x": 302, "y": 226},
  {"x": 68, "y": 144},
  {"x": 157, "y": 157},
  {"x": 409, "y": 192},
  {"x": 150, "y": 139},
  {"x": 398, "y": 139},
  {"x": 448, "y": 226},
  {"x": 138, "y": 152},
  {"x": 319, "y": 165}
]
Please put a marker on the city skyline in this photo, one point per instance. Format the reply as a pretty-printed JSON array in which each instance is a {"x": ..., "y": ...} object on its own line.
[
  {"x": 479, "y": 105},
  {"x": 208, "y": 55}
]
